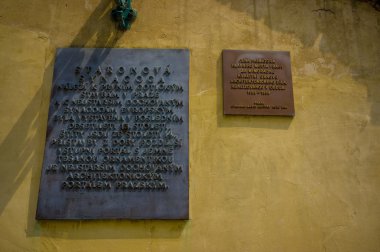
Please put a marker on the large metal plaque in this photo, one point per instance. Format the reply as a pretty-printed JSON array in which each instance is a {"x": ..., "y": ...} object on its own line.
[
  {"x": 117, "y": 137},
  {"x": 257, "y": 83}
]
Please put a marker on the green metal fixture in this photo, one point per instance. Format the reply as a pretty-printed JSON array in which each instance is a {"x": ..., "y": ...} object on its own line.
[{"x": 124, "y": 14}]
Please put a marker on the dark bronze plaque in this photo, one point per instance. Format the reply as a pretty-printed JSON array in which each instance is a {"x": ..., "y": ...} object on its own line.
[
  {"x": 117, "y": 137},
  {"x": 257, "y": 83}
]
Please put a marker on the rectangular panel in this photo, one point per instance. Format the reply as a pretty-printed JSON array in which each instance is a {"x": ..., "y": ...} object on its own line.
[
  {"x": 257, "y": 83},
  {"x": 117, "y": 137}
]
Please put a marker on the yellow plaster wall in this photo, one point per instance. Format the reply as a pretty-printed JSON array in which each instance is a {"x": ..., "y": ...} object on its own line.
[{"x": 311, "y": 183}]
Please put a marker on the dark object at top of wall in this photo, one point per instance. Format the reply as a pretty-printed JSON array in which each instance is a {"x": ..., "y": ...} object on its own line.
[{"x": 375, "y": 3}]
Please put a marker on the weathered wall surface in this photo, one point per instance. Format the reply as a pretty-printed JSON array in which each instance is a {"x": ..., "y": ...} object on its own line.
[{"x": 311, "y": 183}]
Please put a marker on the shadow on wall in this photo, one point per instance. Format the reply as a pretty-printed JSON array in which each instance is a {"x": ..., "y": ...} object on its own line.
[
  {"x": 336, "y": 28},
  {"x": 110, "y": 229},
  {"x": 18, "y": 150},
  {"x": 19, "y": 158}
]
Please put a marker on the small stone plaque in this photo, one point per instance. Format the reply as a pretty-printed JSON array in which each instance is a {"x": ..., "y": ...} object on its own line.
[
  {"x": 117, "y": 136},
  {"x": 257, "y": 83}
]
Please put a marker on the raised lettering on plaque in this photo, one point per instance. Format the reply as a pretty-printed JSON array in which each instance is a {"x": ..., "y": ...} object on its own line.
[
  {"x": 257, "y": 83},
  {"x": 117, "y": 137}
]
